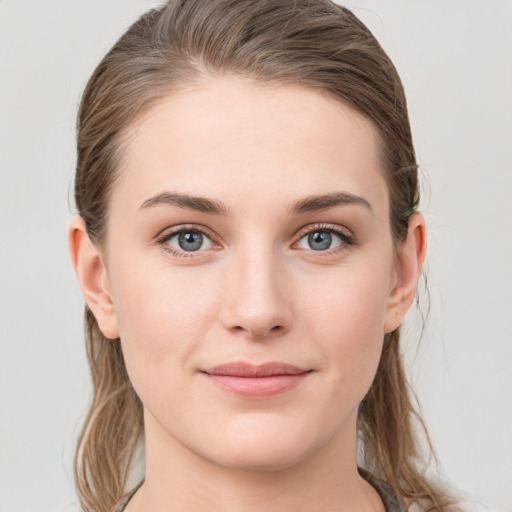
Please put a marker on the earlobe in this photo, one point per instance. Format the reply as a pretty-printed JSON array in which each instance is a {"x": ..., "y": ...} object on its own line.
[
  {"x": 410, "y": 255},
  {"x": 92, "y": 277}
]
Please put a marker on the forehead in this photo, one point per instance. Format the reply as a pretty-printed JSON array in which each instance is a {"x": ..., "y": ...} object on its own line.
[{"x": 232, "y": 137}]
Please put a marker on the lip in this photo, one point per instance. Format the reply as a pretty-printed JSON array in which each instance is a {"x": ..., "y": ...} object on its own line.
[{"x": 256, "y": 381}]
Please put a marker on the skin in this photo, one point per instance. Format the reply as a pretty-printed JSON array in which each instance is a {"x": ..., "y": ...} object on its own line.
[{"x": 256, "y": 291}]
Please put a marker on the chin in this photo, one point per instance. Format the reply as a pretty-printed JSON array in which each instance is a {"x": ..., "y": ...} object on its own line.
[
  {"x": 258, "y": 459},
  {"x": 260, "y": 450}
]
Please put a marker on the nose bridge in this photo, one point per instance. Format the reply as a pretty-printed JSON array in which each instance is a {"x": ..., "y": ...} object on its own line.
[{"x": 256, "y": 302}]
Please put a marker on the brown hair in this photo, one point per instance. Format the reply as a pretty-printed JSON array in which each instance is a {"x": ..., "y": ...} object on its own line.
[{"x": 312, "y": 43}]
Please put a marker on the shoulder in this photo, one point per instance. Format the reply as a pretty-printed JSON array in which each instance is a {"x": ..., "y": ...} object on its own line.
[
  {"x": 123, "y": 502},
  {"x": 391, "y": 503}
]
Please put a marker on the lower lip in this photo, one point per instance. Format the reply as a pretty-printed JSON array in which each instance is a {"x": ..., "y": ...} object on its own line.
[{"x": 257, "y": 387}]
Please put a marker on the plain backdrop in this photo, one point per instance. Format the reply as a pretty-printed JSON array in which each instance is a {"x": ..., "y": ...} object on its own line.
[{"x": 455, "y": 58}]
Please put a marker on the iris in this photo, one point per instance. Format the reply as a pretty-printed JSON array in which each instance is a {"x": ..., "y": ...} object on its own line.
[
  {"x": 190, "y": 240},
  {"x": 320, "y": 240}
]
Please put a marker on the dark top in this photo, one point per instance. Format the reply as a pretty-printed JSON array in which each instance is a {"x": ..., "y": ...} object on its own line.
[{"x": 387, "y": 495}]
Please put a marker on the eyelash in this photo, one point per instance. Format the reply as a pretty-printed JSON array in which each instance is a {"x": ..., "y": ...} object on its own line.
[
  {"x": 167, "y": 235},
  {"x": 345, "y": 236},
  {"x": 346, "y": 239}
]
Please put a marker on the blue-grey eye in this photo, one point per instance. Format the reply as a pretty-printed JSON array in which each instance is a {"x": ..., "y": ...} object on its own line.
[
  {"x": 190, "y": 241},
  {"x": 320, "y": 240}
]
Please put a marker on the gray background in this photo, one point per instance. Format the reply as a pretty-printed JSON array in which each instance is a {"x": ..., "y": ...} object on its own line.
[{"x": 455, "y": 60}]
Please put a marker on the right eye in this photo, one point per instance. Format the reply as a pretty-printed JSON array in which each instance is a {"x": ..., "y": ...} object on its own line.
[{"x": 185, "y": 240}]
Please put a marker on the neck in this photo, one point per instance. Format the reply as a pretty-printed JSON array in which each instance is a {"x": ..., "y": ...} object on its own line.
[{"x": 178, "y": 479}]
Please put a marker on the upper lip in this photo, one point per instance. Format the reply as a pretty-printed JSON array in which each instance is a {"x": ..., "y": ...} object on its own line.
[{"x": 242, "y": 369}]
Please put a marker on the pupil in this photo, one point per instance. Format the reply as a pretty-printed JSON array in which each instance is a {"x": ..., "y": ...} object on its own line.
[
  {"x": 320, "y": 240},
  {"x": 190, "y": 241}
]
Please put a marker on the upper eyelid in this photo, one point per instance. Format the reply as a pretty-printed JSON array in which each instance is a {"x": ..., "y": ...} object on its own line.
[
  {"x": 172, "y": 231},
  {"x": 323, "y": 227}
]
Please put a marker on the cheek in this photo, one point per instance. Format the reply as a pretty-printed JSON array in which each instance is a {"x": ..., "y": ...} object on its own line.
[
  {"x": 350, "y": 298},
  {"x": 162, "y": 315},
  {"x": 346, "y": 315}
]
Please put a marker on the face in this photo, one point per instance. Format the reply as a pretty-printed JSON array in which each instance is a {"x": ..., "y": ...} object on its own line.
[{"x": 250, "y": 265}]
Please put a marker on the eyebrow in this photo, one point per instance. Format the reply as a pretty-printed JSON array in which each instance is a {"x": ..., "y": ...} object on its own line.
[
  {"x": 213, "y": 207},
  {"x": 200, "y": 204},
  {"x": 326, "y": 201}
]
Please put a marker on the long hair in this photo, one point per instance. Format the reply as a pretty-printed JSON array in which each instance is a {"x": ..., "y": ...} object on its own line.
[{"x": 311, "y": 43}]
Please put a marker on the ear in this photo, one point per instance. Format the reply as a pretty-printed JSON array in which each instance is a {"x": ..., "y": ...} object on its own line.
[
  {"x": 409, "y": 259},
  {"x": 92, "y": 277}
]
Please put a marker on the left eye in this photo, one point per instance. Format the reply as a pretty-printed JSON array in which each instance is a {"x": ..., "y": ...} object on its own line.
[
  {"x": 189, "y": 241},
  {"x": 320, "y": 240}
]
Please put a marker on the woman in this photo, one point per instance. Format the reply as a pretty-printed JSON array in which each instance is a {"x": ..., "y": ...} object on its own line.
[{"x": 248, "y": 245}]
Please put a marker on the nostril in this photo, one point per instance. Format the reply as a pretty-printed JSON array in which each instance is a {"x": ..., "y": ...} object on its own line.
[{"x": 259, "y": 333}]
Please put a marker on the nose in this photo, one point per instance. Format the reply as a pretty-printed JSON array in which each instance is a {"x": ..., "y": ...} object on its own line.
[{"x": 257, "y": 298}]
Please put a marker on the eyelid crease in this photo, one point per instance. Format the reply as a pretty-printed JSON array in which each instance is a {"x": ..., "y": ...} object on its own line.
[
  {"x": 168, "y": 233},
  {"x": 343, "y": 232}
]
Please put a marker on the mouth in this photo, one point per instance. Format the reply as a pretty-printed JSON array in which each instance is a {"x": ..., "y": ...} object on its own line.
[{"x": 256, "y": 381}]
